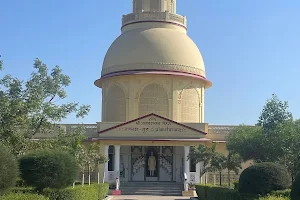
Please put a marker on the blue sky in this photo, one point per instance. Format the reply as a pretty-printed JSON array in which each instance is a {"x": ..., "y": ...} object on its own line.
[{"x": 250, "y": 49}]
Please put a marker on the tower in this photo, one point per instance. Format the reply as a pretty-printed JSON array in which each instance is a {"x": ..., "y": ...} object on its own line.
[{"x": 153, "y": 67}]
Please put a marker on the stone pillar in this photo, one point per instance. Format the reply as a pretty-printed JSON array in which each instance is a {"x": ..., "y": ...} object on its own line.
[
  {"x": 187, "y": 162},
  {"x": 106, "y": 164},
  {"x": 117, "y": 160},
  {"x": 198, "y": 168}
]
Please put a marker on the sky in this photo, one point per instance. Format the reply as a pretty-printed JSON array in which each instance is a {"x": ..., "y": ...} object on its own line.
[{"x": 251, "y": 49}]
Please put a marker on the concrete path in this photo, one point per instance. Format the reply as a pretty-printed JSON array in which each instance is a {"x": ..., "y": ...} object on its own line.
[{"x": 135, "y": 197}]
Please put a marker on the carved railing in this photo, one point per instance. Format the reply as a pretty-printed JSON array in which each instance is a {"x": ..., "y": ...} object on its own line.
[
  {"x": 166, "y": 165},
  {"x": 138, "y": 164},
  {"x": 154, "y": 16}
]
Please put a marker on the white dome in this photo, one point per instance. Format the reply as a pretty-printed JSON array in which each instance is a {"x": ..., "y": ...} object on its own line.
[{"x": 154, "y": 49}]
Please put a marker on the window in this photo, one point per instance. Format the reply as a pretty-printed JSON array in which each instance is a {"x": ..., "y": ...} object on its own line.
[
  {"x": 154, "y": 99},
  {"x": 111, "y": 157},
  {"x": 192, "y": 165}
]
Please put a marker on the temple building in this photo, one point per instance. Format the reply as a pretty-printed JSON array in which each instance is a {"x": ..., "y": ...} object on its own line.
[{"x": 153, "y": 85}]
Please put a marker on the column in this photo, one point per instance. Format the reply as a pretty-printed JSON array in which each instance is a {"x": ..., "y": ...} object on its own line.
[
  {"x": 117, "y": 160},
  {"x": 187, "y": 162},
  {"x": 198, "y": 168},
  {"x": 106, "y": 164}
]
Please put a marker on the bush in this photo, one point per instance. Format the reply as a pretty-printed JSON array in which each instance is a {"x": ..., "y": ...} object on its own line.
[
  {"x": 92, "y": 192},
  {"x": 48, "y": 168},
  {"x": 295, "y": 193},
  {"x": 281, "y": 193},
  {"x": 21, "y": 196},
  {"x": 274, "y": 198},
  {"x": 263, "y": 178},
  {"x": 208, "y": 192},
  {"x": 9, "y": 170},
  {"x": 23, "y": 190}
]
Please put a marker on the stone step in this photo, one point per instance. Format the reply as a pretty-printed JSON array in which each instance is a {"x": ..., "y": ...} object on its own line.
[{"x": 151, "y": 188}]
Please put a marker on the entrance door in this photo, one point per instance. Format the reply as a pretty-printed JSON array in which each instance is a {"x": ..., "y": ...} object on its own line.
[{"x": 152, "y": 163}]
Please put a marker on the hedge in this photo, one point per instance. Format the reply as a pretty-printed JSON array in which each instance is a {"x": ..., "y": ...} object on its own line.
[
  {"x": 210, "y": 192},
  {"x": 295, "y": 193},
  {"x": 92, "y": 192},
  {"x": 9, "y": 170},
  {"x": 21, "y": 196}
]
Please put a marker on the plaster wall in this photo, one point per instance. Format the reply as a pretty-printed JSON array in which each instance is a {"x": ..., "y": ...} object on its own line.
[{"x": 178, "y": 98}]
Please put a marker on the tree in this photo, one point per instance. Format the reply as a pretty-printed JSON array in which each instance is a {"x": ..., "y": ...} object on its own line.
[
  {"x": 218, "y": 164},
  {"x": 246, "y": 141},
  {"x": 233, "y": 163},
  {"x": 275, "y": 138},
  {"x": 1, "y": 63},
  {"x": 274, "y": 112},
  {"x": 33, "y": 106},
  {"x": 203, "y": 154}
]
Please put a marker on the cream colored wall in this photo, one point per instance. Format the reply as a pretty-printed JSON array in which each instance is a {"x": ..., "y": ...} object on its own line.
[
  {"x": 133, "y": 86},
  {"x": 149, "y": 25}
]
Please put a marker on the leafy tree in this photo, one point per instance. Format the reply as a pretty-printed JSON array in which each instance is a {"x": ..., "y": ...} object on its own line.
[
  {"x": 233, "y": 163},
  {"x": 1, "y": 63},
  {"x": 246, "y": 141},
  {"x": 275, "y": 138},
  {"x": 218, "y": 164},
  {"x": 33, "y": 106},
  {"x": 274, "y": 112},
  {"x": 94, "y": 158},
  {"x": 203, "y": 154}
]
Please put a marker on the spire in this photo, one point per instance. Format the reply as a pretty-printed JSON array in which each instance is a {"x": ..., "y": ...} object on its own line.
[{"x": 154, "y": 6}]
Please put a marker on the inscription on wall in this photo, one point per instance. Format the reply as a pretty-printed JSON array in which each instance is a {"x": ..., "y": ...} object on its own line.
[{"x": 152, "y": 125}]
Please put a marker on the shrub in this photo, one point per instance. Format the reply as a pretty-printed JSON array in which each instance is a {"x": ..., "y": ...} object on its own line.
[
  {"x": 48, "y": 168},
  {"x": 92, "y": 192},
  {"x": 295, "y": 193},
  {"x": 9, "y": 170},
  {"x": 21, "y": 196},
  {"x": 208, "y": 192},
  {"x": 262, "y": 178}
]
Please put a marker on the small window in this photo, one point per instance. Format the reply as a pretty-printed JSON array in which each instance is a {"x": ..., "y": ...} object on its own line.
[
  {"x": 111, "y": 158},
  {"x": 192, "y": 165}
]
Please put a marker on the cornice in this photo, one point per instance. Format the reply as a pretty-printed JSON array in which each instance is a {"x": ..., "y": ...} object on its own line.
[{"x": 154, "y": 66}]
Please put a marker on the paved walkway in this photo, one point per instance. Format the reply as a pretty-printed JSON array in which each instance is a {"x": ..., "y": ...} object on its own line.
[{"x": 134, "y": 197}]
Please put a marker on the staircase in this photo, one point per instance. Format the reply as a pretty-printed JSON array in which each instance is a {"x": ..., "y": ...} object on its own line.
[{"x": 152, "y": 188}]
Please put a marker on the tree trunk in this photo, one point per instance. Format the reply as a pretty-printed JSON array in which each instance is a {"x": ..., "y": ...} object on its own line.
[
  {"x": 228, "y": 177},
  {"x": 220, "y": 178},
  {"x": 214, "y": 179},
  {"x": 89, "y": 175},
  {"x": 82, "y": 179}
]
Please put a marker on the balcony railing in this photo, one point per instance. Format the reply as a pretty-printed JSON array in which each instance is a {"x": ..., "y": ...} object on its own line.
[{"x": 154, "y": 16}]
